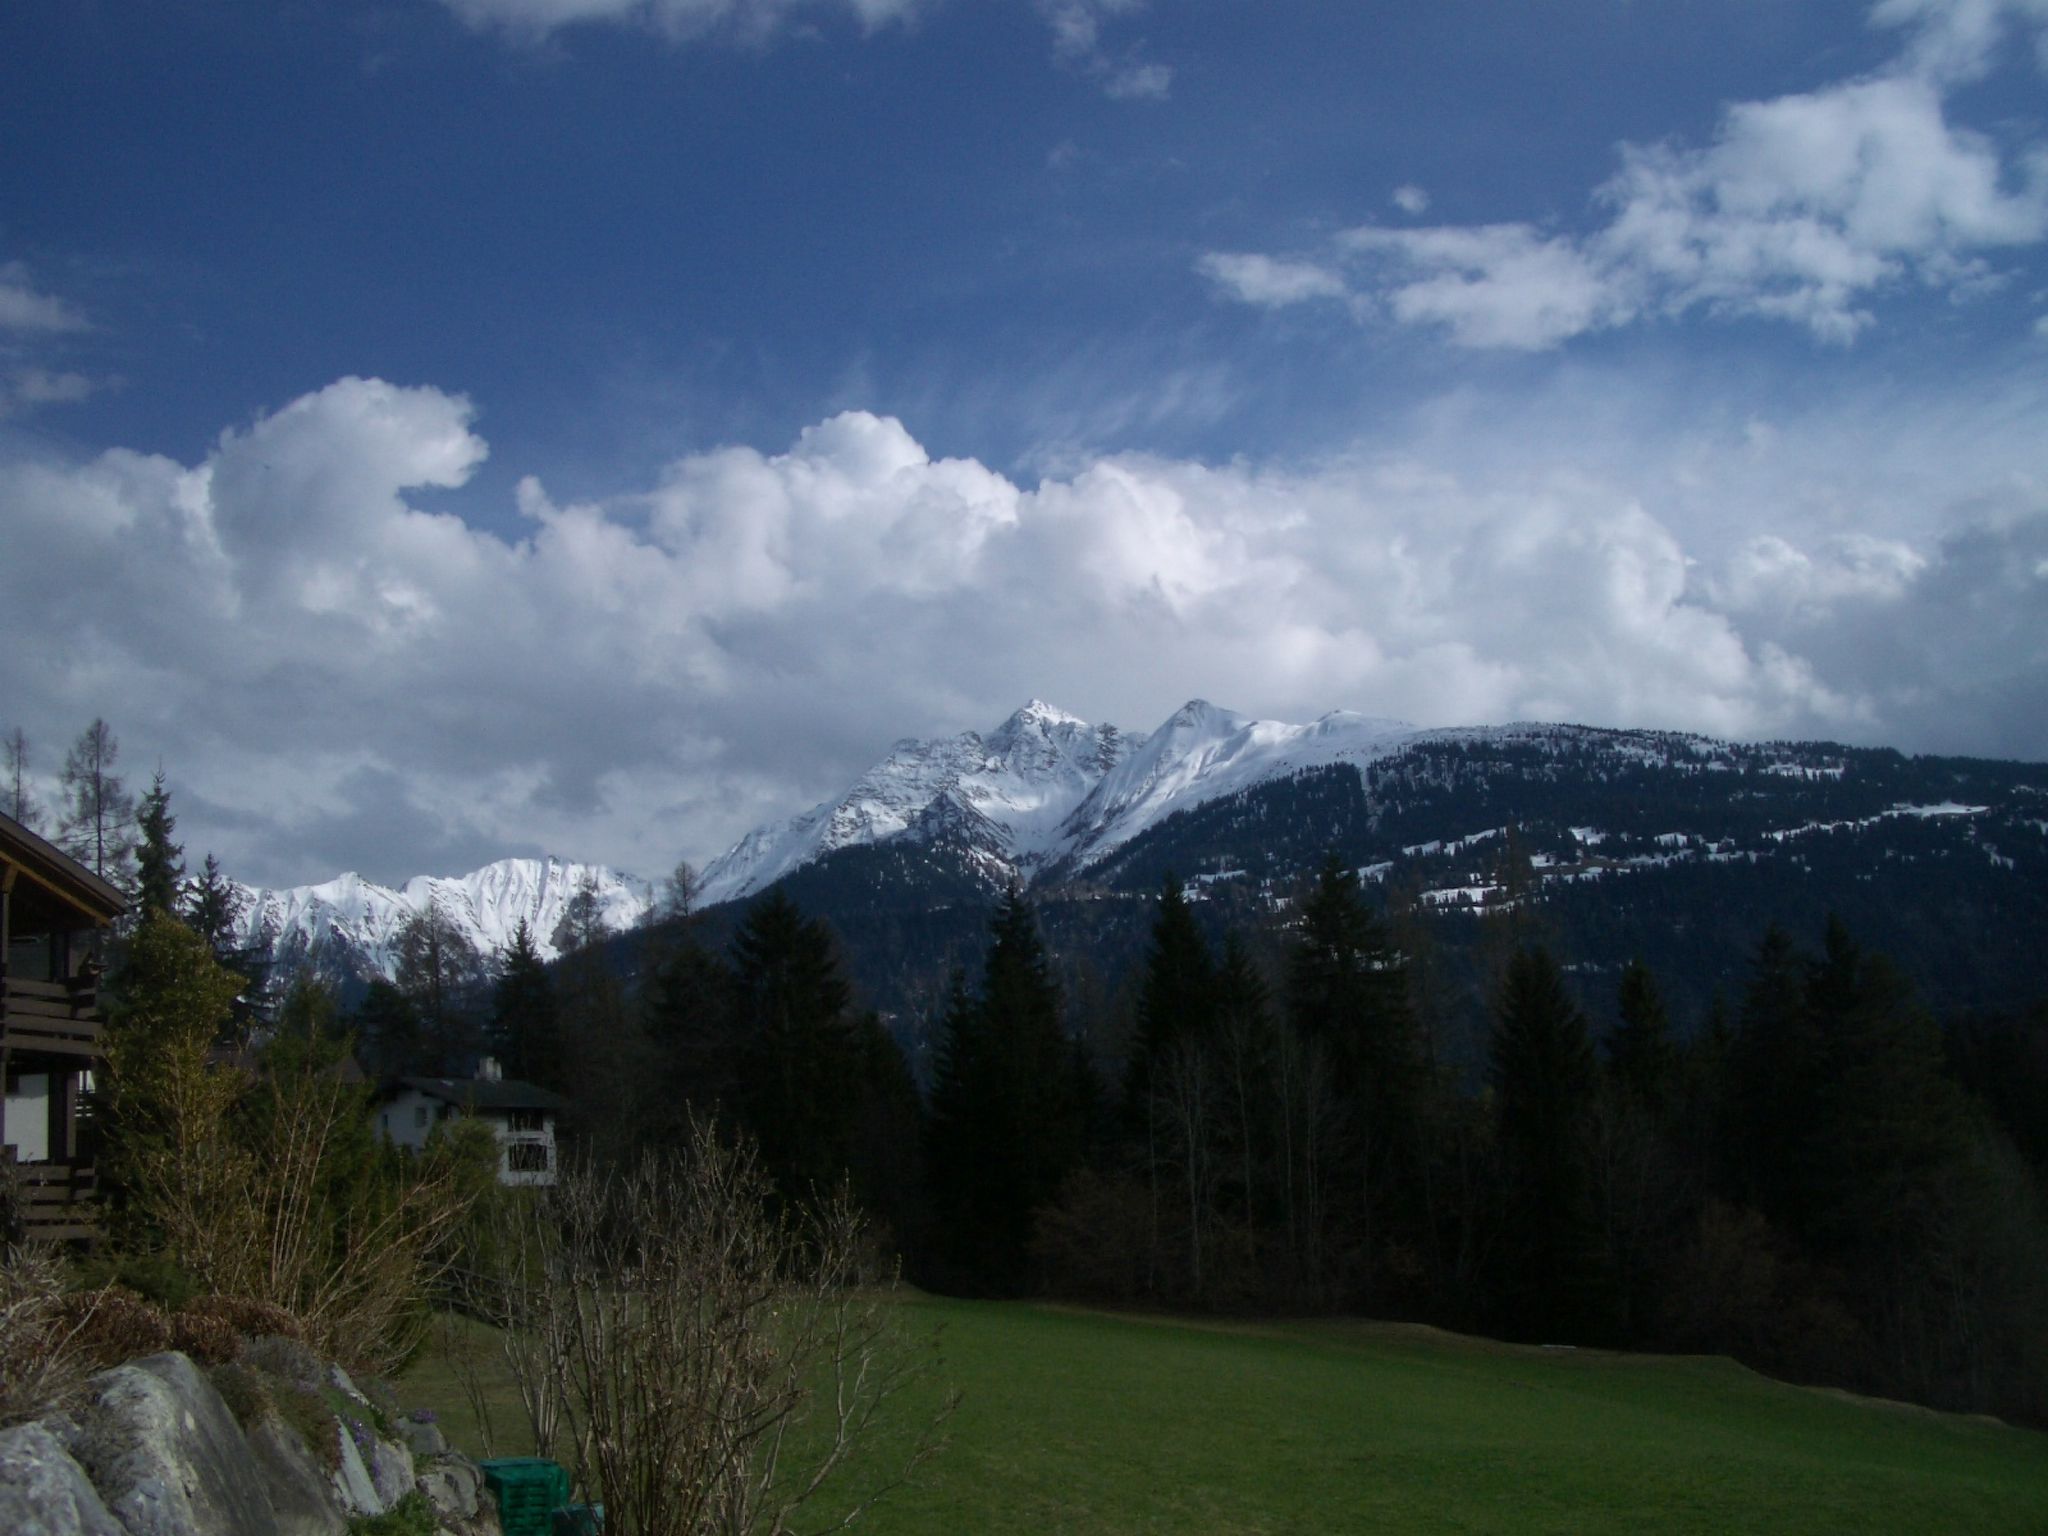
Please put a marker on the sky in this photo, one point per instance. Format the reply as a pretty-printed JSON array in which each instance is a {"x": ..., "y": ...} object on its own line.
[{"x": 435, "y": 431}]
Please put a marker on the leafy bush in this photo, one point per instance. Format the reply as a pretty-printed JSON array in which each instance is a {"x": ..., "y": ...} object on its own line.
[
  {"x": 410, "y": 1516},
  {"x": 248, "y": 1317},
  {"x": 246, "y": 1393},
  {"x": 209, "y": 1339}
]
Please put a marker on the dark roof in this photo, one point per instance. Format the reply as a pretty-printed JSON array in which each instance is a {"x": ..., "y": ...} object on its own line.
[
  {"x": 486, "y": 1093},
  {"x": 58, "y": 873}
]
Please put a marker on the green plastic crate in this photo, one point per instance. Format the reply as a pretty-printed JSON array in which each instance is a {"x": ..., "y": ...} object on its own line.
[{"x": 529, "y": 1490}]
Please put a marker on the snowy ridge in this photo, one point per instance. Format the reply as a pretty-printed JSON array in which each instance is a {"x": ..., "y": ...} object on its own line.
[
  {"x": 1046, "y": 788},
  {"x": 1009, "y": 794},
  {"x": 349, "y": 925}
]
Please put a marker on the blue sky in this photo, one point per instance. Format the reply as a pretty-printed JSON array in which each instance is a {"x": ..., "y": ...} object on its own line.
[{"x": 483, "y": 426}]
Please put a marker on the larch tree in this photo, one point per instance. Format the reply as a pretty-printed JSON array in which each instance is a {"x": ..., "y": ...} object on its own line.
[
  {"x": 98, "y": 825},
  {"x": 20, "y": 796}
]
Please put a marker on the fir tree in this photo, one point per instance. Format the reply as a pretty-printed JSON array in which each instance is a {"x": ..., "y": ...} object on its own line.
[
  {"x": 159, "y": 862},
  {"x": 1177, "y": 1004}
]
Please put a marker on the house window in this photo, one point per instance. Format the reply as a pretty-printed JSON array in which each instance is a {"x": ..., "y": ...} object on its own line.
[
  {"x": 527, "y": 1157},
  {"x": 523, "y": 1120}
]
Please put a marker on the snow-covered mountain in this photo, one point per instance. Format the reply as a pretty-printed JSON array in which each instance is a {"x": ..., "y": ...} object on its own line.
[
  {"x": 1046, "y": 789},
  {"x": 349, "y": 926}
]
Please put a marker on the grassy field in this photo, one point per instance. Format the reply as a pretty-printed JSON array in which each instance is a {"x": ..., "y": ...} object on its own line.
[{"x": 1077, "y": 1422}]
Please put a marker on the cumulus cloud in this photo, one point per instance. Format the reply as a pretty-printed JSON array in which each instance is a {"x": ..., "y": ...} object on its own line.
[
  {"x": 1410, "y": 199},
  {"x": 332, "y": 666},
  {"x": 1805, "y": 208},
  {"x": 1272, "y": 281}
]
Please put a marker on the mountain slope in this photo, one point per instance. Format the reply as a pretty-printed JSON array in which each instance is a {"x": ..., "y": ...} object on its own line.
[{"x": 346, "y": 929}]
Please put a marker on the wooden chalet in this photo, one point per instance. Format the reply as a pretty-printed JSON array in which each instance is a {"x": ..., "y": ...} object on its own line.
[{"x": 52, "y": 910}]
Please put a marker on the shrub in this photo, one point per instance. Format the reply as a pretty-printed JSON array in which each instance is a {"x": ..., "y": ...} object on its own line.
[
  {"x": 410, "y": 1516},
  {"x": 114, "y": 1325},
  {"x": 284, "y": 1359},
  {"x": 206, "y": 1338},
  {"x": 245, "y": 1392},
  {"x": 41, "y": 1362},
  {"x": 247, "y": 1316}
]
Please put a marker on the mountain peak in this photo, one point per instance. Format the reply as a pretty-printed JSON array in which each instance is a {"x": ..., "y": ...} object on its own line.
[{"x": 1038, "y": 712}]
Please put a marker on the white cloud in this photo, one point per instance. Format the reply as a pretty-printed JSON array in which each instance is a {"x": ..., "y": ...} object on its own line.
[
  {"x": 343, "y": 677},
  {"x": 1271, "y": 281},
  {"x": 1410, "y": 199},
  {"x": 24, "y": 308},
  {"x": 1077, "y": 42},
  {"x": 1806, "y": 208},
  {"x": 678, "y": 19}
]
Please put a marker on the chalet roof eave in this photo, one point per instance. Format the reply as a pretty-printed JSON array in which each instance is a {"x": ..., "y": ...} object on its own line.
[{"x": 57, "y": 872}]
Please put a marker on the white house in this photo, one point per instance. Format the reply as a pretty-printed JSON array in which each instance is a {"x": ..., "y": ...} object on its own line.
[{"x": 521, "y": 1115}]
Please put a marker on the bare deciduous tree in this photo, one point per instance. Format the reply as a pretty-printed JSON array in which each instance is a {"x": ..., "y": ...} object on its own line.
[{"x": 702, "y": 1363}]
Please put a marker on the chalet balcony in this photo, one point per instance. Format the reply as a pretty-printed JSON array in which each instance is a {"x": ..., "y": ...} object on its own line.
[
  {"x": 54, "y": 1018},
  {"x": 55, "y": 1200}
]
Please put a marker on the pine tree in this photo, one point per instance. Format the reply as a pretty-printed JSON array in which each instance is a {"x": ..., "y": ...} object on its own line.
[
  {"x": 99, "y": 813},
  {"x": 159, "y": 862},
  {"x": 390, "y": 1029},
  {"x": 20, "y": 803}
]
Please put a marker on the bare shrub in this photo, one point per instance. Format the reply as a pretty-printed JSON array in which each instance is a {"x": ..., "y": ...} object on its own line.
[
  {"x": 250, "y": 1318},
  {"x": 208, "y": 1339},
  {"x": 702, "y": 1363},
  {"x": 41, "y": 1360},
  {"x": 109, "y": 1326}
]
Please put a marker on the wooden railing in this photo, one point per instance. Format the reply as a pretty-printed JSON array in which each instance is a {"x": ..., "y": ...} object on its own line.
[
  {"x": 55, "y": 1200},
  {"x": 50, "y": 1016}
]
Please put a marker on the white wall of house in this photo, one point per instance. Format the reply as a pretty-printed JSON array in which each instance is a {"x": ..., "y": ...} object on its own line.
[
  {"x": 410, "y": 1117},
  {"x": 25, "y": 1125},
  {"x": 526, "y": 1138}
]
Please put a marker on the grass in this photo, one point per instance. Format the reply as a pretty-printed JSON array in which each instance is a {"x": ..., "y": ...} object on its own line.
[{"x": 1078, "y": 1422}]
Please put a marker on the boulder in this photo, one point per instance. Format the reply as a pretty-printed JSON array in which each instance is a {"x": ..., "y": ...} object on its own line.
[
  {"x": 351, "y": 1480},
  {"x": 451, "y": 1484},
  {"x": 43, "y": 1492},
  {"x": 165, "y": 1454},
  {"x": 424, "y": 1439},
  {"x": 294, "y": 1481},
  {"x": 390, "y": 1468}
]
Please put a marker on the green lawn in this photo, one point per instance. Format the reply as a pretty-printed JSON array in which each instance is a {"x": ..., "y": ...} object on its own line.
[{"x": 1078, "y": 1421}]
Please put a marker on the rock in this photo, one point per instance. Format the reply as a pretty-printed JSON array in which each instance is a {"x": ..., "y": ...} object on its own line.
[
  {"x": 165, "y": 1454},
  {"x": 390, "y": 1468},
  {"x": 351, "y": 1480},
  {"x": 294, "y": 1481},
  {"x": 43, "y": 1492},
  {"x": 451, "y": 1484},
  {"x": 424, "y": 1439}
]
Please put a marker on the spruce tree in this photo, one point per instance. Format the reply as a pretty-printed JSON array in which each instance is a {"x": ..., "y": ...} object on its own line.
[
  {"x": 1006, "y": 1116},
  {"x": 525, "y": 1030},
  {"x": 1543, "y": 1078},
  {"x": 213, "y": 909},
  {"x": 1641, "y": 1051},
  {"x": 798, "y": 1085},
  {"x": 159, "y": 862},
  {"x": 1177, "y": 1003}
]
